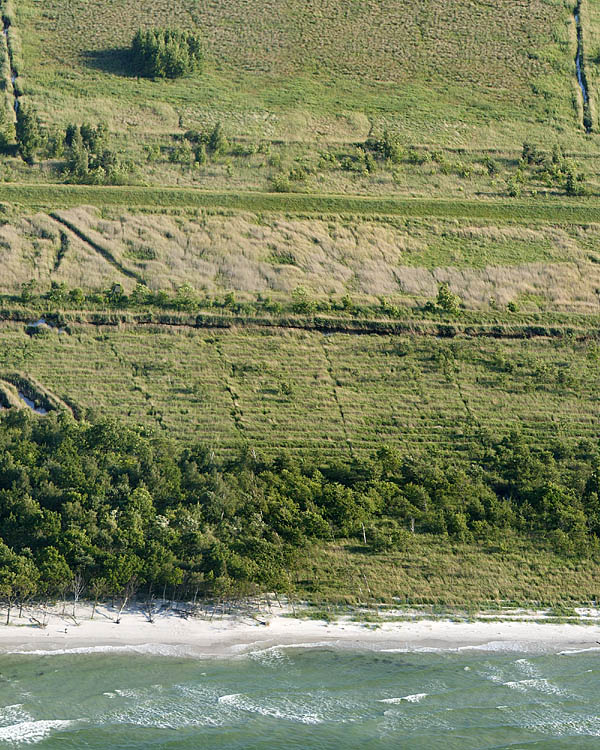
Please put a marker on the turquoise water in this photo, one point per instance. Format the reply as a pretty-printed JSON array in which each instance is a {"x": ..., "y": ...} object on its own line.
[{"x": 300, "y": 698}]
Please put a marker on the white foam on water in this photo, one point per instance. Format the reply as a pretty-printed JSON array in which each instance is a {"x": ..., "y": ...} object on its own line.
[
  {"x": 287, "y": 711},
  {"x": 229, "y": 700},
  {"x": 538, "y": 684},
  {"x": 571, "y": 652},
  {"x": 272, "y": 656},
  {"x": 249, "y": 650},
  {"x": 552, "y": 720},
  {"x": 506, "y": 647},
  {"x": 495, "y": 646},
  {"x": 30, "y": 732},
  {"x": 405, "y": 698},
  {"x": 527, "y": 668},
  {"x": 14, "y": 714},
  {"x": 154, "y": 707}
]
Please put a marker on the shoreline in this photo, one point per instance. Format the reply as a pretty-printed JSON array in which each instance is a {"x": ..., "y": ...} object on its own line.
[{"x": 233, "y": 635}]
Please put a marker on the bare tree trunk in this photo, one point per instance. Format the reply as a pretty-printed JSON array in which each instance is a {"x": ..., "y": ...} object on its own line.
[
  {"x": 150, "y": 609},
  {"x": 128, "y": 592},
  {"x": 77, "y": 587}
]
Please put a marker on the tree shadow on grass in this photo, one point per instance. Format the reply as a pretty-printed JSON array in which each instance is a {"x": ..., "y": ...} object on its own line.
[{"x": 116, "y": 60}]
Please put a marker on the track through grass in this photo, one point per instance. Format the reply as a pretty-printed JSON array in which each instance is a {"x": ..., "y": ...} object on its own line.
[{"x": 164, "y": 199}]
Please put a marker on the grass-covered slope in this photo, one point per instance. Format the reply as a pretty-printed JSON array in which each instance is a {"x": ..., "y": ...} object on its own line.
[
  {"x": 336, "y": 394},
  {"x": 393, "y": 245},
  {"x": 451, "y": 72},
  {"x": 489, "y": 263}
]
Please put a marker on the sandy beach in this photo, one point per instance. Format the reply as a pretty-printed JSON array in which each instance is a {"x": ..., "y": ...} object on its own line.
[{"x": 230, "y": 635}]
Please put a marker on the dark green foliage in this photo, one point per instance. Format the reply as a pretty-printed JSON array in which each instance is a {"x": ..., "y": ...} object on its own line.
[
  {"x": 196, "y": 144},
  {"x": 7, "y": 130},
  {"x": 89, "y": 160},
  {"x": 492, "y": 166},
  {"x": 29, "y": 133},
  {"x": 531, "y": 154},
  {"x": 111, "y": 504},
  {"x": 166, "y": 53},
  {"x": 387, "y": 147},
  {"x": 572, "y": 179}
]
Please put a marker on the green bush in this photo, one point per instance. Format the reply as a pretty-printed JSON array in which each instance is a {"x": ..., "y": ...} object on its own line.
[{"x": 448, "y": 301}]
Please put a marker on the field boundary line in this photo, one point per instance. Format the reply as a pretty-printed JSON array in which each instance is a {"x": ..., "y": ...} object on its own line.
[
  {"x": 319, "y": 324},
  {"x": 334, "y": 388},
  {"x": 103, "y": 251}
]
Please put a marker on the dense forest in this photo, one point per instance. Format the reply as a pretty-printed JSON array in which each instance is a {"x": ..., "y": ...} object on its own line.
[{"x": 105, "y": 506}]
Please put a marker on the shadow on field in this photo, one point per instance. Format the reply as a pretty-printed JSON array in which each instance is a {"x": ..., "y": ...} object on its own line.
[{"x": 116, "y": 60}]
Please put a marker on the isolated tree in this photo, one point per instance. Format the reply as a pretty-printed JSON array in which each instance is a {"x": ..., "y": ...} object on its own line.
[
  {"x": 29, "y": 133},
  {"x": 217, "y": 142},
  {"x": 79, "y": 157},
  {"x": 77, "y": 588},
  {"x": 573, "y": 180},
  {"x": 99, "y": 587}
]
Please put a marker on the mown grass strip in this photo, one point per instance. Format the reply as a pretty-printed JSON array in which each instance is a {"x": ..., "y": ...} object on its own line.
[{"x": 66, "y": 196}]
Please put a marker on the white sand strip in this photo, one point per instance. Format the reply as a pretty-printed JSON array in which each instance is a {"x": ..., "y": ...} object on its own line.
[{"x": 231, "y": 635}]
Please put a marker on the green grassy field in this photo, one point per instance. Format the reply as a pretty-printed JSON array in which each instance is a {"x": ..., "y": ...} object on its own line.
[
  {"x": 468, "y": 73},
  {"x": 337, "y": 394},
  {"x": 301, "y": 86},
  {"x": 438, "y": 574}
]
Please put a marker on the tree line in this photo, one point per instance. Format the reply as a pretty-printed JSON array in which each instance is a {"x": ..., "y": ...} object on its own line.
[{"x": 113, "y": 508}]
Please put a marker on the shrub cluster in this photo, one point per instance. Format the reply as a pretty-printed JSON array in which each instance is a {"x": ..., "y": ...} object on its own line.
[
  {"x": 166, "y": 53},
  {"x": 89, "y": 159},
  {"x": 553, "y": 169}
]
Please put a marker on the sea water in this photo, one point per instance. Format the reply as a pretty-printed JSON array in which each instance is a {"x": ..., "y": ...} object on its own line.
[{"x": 301, "y": 697}]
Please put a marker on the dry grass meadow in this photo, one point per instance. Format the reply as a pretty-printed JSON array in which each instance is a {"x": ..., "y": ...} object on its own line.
[{"x": 542, "y": 267}]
